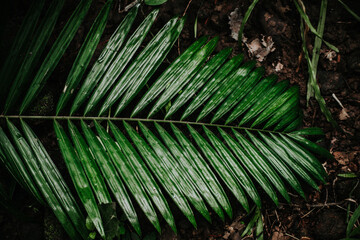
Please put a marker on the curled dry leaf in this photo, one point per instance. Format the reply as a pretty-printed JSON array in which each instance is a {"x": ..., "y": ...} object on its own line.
[
  {"x": 260, "y": 49},
  {"x": 343, "y": 114}
]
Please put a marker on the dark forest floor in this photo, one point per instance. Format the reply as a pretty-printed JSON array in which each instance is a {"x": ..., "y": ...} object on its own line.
[{"x": 323, "y": 214}]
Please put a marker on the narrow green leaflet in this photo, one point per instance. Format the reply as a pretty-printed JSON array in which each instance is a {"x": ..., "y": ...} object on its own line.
[
  {"x": 26, "y": 153},
  {"x": 214, "y": 83},
  {"x": 128, "y": 175},
  {"x": 84, "y": 56},
  {"x": 56, "y": 52},
  {"x": 151, "y": 57},
  {"x": 294, "y": 164},
  {"x": 183, "y": 161},
  {"x": 165, "y": 177},
  {"x": 144, "y": 175},
  {"x": 277, "y": 163},
  {"x": 263, "y": 165},
  {"x": 226, "y": 89},
  {"x": 18, "y": 47},
  {"x": 253, "y": 169},
  {"x": 242, "y": 89},
  {"x": 56, "y": 181},
  {"x": 312, "y": 146},
  {"x": 203, "y": 169},
  {"x": 33, "y": 54},
  {"x": 155, "y": 2},
  {"x": 40, "y": 180},
  {"x": 321, "y": 173},
  {"x": 9, "y": 164},
  {"x": 259, "y": 230},
  {"x": 251, "y": 99},
  {"x": 252, "y": 222},
  {"x": 308, "y": 131},
  {"x": 282, "y": 113},
  {"x": 199, "y": 80},
  {"x": 88, "y": 162},
  {"x": 111, "y": 176},
  {"x": 105, "y": 59},
  {"x": 183, "y": 77},
  {"x": 315, "y": 168},
  {"x": 294, "y": 125},
  {"x": 221, "y": 167},
  {"x": 79, "y": 178},
  {"x": 234, "y": 163},
  {"x": 275, "y": 105},
  {"x": 262, "y": 103},
  {"x": 348, "y": 175},
  {"x": 290, "y": 116},
  {"x": 17, "y": 168},
  {"x": 121, "y": 60},
  {"x": 2, "y": 155},
  {"x": 184, "y": 182},
  {"x": 175, "y": 70}
]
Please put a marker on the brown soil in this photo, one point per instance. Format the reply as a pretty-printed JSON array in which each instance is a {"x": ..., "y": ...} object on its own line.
[{"x": 323, "y": 214}]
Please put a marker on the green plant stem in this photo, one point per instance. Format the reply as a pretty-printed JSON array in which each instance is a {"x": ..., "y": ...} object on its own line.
[
  {"x": 319, "y": 98},
  {"x": 84, "y": 118},
  {"x": 316, "y": 50}
]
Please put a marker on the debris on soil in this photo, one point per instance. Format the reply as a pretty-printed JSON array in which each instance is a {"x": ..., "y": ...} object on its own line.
[
  {"x": 278, "y": 234},
  {"x": 260, "y": 49},
  {"x": 235, "y": 20},
  {"x": 237, "y": 226},
  {"x": 329, "y": 54},
  {"x": 278, "y": 67},
  {"x": 343, "y": 114}
]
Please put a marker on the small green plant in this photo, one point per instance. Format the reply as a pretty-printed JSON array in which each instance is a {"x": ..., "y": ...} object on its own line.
[{"x": 201, "y": 127}]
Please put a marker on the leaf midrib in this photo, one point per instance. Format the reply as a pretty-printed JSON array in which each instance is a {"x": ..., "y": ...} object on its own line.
[{"x": 88, "y": 118}]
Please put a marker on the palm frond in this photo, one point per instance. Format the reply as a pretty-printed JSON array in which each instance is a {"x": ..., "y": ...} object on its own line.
[{"x": 241, "y": 131}]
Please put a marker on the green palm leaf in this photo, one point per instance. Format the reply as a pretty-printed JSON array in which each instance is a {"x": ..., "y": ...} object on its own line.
[{"x": 241, "y": 134}]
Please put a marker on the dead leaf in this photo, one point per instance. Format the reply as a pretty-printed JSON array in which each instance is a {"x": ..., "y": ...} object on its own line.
[
  {"x": 343, "y": 114},
  {"x": 235, "y": 20},
  {"x": 260, "y": 49},
  {"x": 279, "y": 66}
]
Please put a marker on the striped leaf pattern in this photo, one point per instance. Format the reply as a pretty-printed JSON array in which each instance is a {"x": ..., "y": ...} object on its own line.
[{"x": 204, "y": 127}]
